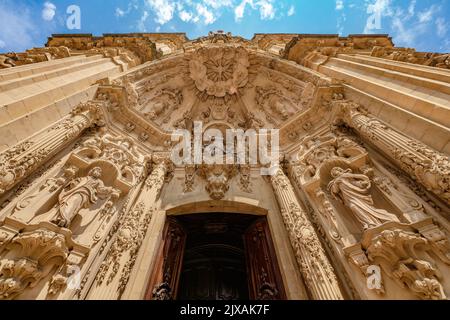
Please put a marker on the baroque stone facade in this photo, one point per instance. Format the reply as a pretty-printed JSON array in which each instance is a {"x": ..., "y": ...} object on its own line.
[{"x": 359, "y": 207}]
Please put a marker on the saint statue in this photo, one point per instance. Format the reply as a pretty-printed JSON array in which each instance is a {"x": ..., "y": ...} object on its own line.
[
  {"x": 80, "y": 193},
  {"x": 354, "y": 191}
]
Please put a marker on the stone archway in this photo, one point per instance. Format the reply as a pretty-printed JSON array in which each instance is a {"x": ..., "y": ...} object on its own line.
[
  {"x": 216, "y": 256},
  {"x": 147, "y": 261}
]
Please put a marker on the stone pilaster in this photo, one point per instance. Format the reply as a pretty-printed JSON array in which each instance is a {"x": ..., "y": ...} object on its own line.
[
  {"x": 115, "y": 270},
  {"x": 315, "y": 267},
  {"x": 21, "y": 160},
  {"x": 429, "y": 167}
]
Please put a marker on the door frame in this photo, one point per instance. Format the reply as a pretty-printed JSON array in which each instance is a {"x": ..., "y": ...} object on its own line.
[{"x": 148, "y": 254}]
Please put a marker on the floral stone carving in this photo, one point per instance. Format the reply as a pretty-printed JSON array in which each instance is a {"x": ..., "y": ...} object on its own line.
[
  {"x": 397, "y": 252},
  {"x": 32, "y": 256},
  {"x": 219, "y": 71}
]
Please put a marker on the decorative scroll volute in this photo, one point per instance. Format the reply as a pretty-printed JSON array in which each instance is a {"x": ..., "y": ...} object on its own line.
[
  {"x": 30, "y": 257},
  {"x": 430, "y": 168}
]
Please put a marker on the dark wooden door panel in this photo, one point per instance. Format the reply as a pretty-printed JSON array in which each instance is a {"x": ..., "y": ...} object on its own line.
[
  {"x": 164, "y": 281},
  {"x": 233, "y": 262},
  {"x": 264, "y": 278}
]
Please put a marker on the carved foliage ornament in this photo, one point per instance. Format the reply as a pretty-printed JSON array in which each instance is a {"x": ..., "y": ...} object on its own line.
[
  {"x": 219, "y": 71},
  {"x": 398, "y": 253},
  {"x": 119, "y": 151},
  {"x": 32, "y": 256}
]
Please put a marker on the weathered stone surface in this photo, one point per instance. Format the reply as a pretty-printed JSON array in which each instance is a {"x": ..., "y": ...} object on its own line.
[{"x": 358, "y": 204}]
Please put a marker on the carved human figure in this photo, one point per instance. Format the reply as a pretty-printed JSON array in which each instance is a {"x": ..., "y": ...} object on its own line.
[
  {"x": 354, "y": 191},
  {"x": 280, "y": 108},
  {"x": 6, "y": 61},
  {"x": 80, "y": 193}
]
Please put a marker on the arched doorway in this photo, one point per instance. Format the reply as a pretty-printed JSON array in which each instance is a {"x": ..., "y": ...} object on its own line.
[{"x": 216, "y": 256}]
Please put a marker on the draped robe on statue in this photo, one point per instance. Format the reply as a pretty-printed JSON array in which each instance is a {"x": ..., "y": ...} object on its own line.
[
  {"x": 354, "y": 191},
  {"x": 80, "y": 193}
]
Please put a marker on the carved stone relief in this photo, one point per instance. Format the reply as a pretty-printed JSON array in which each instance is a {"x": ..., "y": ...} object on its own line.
[
  {"x": 219, "y": 71},
  {"x": 354, "y": 192}
]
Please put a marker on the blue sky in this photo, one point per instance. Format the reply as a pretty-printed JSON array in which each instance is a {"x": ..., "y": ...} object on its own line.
[{"x": 422, "y": 24}]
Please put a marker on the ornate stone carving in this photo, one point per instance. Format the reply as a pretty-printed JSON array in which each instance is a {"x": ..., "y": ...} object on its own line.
[
  {"x": 314, "y": 153},
  {"x": 219, "y": 71},
  {"x": 189, "y": 181},
  {"x": 125, "y": 247},
  {"x": 19, "y": 161},
  {"x": 32, "y": 256},
  {"x": 397, "y": 252},
  {"x": 411, "y": 208},
  {"x": 313, "y": 262},
  {"x": 245, "y": 182},
  {"x": 410, "y": 55},
  {"x": 225, "y": 82},
  {"x": 136, "y": 49},
  {"x": 35, "y": 55},
  {"x": 120, "y": 151},
  {"x": 81, "y": 193},
  {"x": 353, "y": 190},
  {"x": 429, "y": 167},
  {"x": 274, "y": 104},
  {"x": 217, "y": 179},
  {"x": 160, "y": 105},
  {"x": 129, "y": 238}
]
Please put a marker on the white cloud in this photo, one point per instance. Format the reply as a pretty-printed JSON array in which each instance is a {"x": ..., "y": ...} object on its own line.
[
  {"x": 206, "y": 15},
  {"x": 239, "y": 11},
  {"x": 402, "y": 34},
  {"x": 266, "y": 10},
  {"x": 202, "y": 11},
  {"x": 18, "y": 28},
  {"x": 442, "y": 27},
  {"x": 141, "y": 23},
  {"x": 185, "y": 16},
  {"x": 131, "y": 5},
  {"x": 408, "y": 26},
  {"x": 217, "y": 4},
  {"x": 342, "y": 17},
  {"x": 291, "y": 11},
  {"x": 2, "y": 44},
  {"x": 119, "y": 12},
  {"x": 411, "y": 26},
  {"x": 376, "y": 10},
  {"x": 412, "y": 8},
  {"x": 427, "y": 15},
  {"x": 49, "y": 11},
  {"x": 207, "y": 12},
  {"x": 163, "y": 9}
]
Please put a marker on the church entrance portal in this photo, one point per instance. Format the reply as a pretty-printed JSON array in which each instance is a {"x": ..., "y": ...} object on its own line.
[{"x": 216, "y": 256}]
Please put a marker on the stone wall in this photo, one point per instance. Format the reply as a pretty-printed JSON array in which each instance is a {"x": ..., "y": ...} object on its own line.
[{"x": 358, "y": 207}]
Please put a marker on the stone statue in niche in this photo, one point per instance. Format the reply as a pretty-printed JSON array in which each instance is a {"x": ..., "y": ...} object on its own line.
[
  {"x": 80, "y": 193},
  {"x": 354, "y": 191}
]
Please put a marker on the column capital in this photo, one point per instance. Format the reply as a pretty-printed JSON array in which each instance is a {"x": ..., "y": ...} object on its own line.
[{"x": 92, "y": 111}]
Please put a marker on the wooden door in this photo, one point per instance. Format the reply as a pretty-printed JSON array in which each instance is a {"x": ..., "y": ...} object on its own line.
[
  {"x": 264, "y": 278},
  {"x": 165, "y": 278}
]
